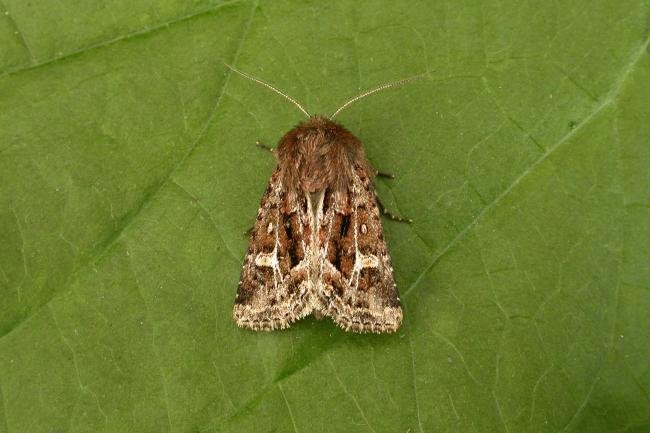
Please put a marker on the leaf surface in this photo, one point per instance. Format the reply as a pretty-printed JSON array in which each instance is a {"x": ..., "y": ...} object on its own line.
[{"x": 128, "y": 175}]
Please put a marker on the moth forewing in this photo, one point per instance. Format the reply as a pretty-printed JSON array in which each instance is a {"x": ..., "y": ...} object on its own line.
[
  {"x": 275, "y": 281},
  {"x": 363, "y": 292}
]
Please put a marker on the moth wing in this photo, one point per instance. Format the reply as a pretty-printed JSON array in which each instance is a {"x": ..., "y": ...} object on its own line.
[
  {"x": 274, "y": 287},
  {"x": 357, "y": 284}
]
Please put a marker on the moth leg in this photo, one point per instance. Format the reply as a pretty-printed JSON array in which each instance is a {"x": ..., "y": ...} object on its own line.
[
  {"x": 386, "y": 175},
  {"x": 391, "y": 215},
  {"x": 265, "y": 146},
  {"x": 248, "y": 232}
]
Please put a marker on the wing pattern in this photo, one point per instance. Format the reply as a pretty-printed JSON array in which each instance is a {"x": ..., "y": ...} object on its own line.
[{"x": 322, "y": 253}]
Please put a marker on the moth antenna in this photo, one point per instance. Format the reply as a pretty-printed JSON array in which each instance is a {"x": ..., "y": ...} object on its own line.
[
  {"x": 267, "y": 85},
  {"x": 375, "y": 90}
]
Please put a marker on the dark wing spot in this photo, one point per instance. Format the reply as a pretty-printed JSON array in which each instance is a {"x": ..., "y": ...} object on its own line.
[
  {"x": 340, "y": 241},
  {"x": 362, "y": 304},
  {"x": 345, "y": 225},
  {"x": 292, "y": 244}
]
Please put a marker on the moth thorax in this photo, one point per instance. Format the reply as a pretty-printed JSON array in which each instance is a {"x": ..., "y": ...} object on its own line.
[
  {"x": 314, "y": 177},
  {"x": 319, "y": 156}
]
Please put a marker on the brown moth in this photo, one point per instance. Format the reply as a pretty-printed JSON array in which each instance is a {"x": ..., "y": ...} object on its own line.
[{"x": 318, "y": 245}]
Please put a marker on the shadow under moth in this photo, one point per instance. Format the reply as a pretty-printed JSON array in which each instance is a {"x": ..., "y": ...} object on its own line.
[{"x": 317, "y": 245}]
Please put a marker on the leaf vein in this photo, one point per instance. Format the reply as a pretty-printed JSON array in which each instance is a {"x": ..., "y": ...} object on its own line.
[
  {"x": 349, "y": 394},
  {"x": 415, "y": 389},
  {"x": 611, "y": 98},
  {"x": 286, "y": 402},
  {"x": 584, "y": 402},
  {"x": 210, "y": 217},
  {"x": 19, "y": 32},
  {"x": 156, "y": 352}
]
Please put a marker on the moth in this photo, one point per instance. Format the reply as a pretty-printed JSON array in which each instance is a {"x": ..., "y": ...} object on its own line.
[{"x": 317, "y": 245}]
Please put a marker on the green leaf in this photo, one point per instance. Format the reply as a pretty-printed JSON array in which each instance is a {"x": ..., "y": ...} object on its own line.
[{"x": 128, "y": 175}]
